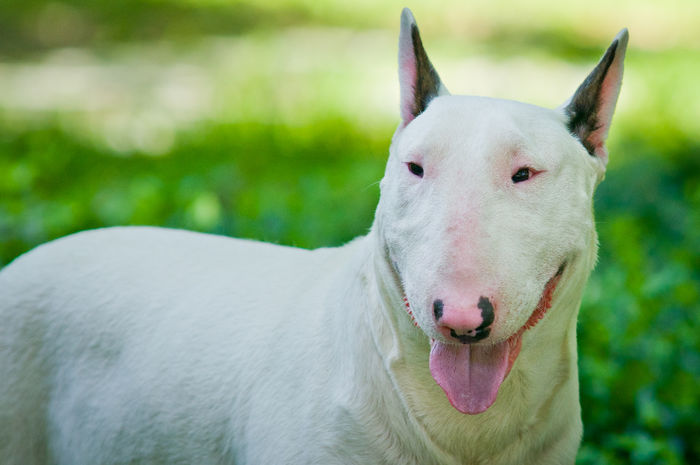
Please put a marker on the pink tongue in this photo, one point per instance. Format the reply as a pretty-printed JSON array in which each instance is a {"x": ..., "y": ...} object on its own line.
[{"x": 469, "y": 374}]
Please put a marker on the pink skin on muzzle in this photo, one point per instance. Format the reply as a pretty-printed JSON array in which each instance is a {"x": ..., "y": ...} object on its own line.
[{"x": 471, "y": 374}]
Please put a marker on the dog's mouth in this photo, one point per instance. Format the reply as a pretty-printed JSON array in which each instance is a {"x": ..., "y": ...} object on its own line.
[{"x": 471, "y": 375}]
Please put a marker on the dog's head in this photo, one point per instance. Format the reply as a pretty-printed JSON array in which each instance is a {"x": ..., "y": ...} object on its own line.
[{"x": 486, "y": 205}]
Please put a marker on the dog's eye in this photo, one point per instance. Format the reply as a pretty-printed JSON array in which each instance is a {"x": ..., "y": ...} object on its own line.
[
  {"x": 523, "y": 174},
  {"x": 415, "y": 168}
]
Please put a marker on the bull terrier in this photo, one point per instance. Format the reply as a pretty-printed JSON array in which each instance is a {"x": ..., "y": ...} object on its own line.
[{"x": 446, "y": 335}]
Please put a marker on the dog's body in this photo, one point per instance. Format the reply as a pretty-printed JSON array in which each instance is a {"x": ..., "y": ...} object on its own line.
[{"x": 144, "y": 345}]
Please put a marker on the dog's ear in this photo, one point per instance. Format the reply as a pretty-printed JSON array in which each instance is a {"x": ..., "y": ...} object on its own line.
[
  {"x": 418, "y": 79},
  {"x": 591, "y": 108}
]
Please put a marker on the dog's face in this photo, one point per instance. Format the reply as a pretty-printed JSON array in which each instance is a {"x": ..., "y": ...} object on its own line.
[
  {"x": 502, "y": 200},
  {"x": 484, "y": 207}
]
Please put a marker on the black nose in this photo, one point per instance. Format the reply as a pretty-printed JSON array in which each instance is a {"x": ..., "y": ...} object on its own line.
[
  {"x": 483, "y": 330},
  {"x": 437, "y": 309},
  {"x": 465, "y": 331},
  {"x": 486, "y": 311}
]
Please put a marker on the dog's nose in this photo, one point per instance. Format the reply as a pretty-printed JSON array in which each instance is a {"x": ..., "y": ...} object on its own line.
[{"x": 465, "y": 325}]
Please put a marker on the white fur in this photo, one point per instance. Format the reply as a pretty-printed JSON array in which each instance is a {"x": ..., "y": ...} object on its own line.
[{"x": 146, "y": 345}]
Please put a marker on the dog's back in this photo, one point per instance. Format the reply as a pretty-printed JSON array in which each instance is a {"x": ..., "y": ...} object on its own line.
[{"x": 113, "y": 340}]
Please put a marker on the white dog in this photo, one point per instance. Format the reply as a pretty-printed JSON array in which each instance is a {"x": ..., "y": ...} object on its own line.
[{"x": 447, "y": 335}]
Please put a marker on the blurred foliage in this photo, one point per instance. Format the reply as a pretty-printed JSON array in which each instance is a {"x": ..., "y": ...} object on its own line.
[
  {"x": 292, "y": 154},
  {"x": 305, "y": 186}
]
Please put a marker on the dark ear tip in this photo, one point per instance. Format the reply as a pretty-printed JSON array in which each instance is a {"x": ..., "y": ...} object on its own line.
[
  {"x": 407, "y": 18},
  {"x": 621, "y": 38}
]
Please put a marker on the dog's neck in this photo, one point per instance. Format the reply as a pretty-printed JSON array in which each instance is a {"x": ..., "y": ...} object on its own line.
[{"x": 544, "y": 374}]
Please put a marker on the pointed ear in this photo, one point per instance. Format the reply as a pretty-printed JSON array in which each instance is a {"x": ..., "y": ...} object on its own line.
[
  {"x": 591, "y": 108},
  {"x": 418, "y": 79}
]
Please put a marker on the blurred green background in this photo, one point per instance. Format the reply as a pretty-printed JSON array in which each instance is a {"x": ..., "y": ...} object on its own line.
[{"x": 272, "y": 120}]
